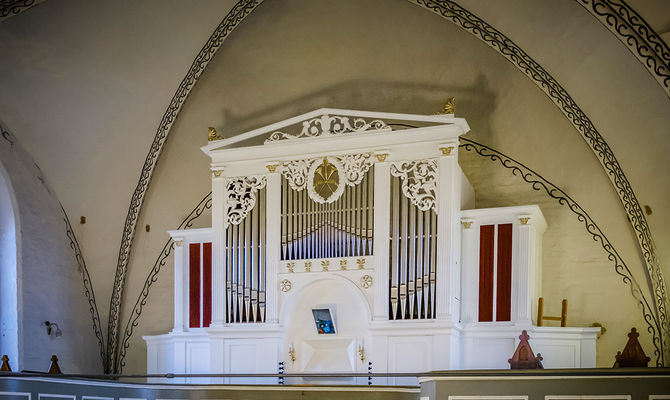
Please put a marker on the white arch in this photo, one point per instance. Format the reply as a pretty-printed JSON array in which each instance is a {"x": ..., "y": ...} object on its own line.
[{"x": 10, "y": 273}]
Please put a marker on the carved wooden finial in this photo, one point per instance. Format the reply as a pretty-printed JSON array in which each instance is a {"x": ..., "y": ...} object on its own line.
[
  {"x": 54, "y": 369},
  {"x": 5, "y": 364},
  {"x": 449, "y": 106},
  {"x": 523, "y": 357},
  {"x": 633, "y": 354},
  {"x": 212, "y": 135}
]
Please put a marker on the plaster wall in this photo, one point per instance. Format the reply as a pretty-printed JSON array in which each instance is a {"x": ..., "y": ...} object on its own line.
[
  {"x": 49, "y": 281},
  {"x": 85, "y": 84},
  {"x": 281, "y": 62}
]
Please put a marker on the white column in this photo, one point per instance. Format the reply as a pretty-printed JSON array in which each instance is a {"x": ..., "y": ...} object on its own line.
[
  {"x": 219, "y": 211},
  {"x": 524, "y": 263},
  {"x": 469, "y": 271},
  {"x": 272, "y": 246},
  {"x": 380, "y": 251},
  {"x": 448, "y": 234},
  {"x": 179, "y": 283}
]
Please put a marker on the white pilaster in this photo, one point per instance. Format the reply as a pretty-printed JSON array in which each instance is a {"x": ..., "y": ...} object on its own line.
[
  {"x": 525, "y": 263},
  {"x": 382, "y": 193},
  {"x": 219, "y": 226},
  {"x": 448, "y": 233},
  {"x": 272, "y": 246},
  {"x": 469, "y": 271},
  {"x": 179, "y": 282}
]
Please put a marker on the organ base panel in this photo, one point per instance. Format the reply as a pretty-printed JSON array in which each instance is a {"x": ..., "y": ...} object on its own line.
[{"x": 350, "y": 240}]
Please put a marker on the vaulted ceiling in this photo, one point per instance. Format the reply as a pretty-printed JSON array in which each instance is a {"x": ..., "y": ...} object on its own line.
[{"x": 85, "y": 87}]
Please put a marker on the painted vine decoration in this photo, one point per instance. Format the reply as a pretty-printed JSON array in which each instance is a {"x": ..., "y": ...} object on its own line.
[
  {"x": 512, "y": 52},
  {"x": 187, "y": 223},
  {"x": 539, "y": 183},
  {"x": 634, "y": 32},
  {"x": 239, "y": 11}
]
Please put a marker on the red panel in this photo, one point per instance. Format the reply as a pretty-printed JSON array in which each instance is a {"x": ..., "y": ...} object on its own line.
[
  {"x": 194, "y": 285},
  {"x": 206, "y": 284},
  {"x": 504, "y": 273},
  {"x": 486, "y": 240}
]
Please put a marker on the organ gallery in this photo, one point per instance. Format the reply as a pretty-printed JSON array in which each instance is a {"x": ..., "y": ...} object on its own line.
[{"x": 343, "y": 241}]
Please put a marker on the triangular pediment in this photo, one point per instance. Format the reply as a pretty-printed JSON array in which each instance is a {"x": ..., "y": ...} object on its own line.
[{"x": 333, "y": 122}]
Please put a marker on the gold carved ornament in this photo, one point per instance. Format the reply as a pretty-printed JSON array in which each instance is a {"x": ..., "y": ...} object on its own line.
[
  {"x": 449, "y": 106},
  {"x": 212, "y": 135},
  {"x": 326, "y": 179}
]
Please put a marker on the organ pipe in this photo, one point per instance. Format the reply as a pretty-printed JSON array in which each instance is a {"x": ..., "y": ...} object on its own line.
[
  {"x": 412, "y": 258},
  {"x": 342, "y": 228}
]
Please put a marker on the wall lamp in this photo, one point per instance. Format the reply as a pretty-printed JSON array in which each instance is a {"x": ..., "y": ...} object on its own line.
[{"x": 53, "y": 325}]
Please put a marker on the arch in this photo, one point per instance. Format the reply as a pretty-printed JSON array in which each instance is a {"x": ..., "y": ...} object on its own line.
[
  {"x": 293, "y": 301},
  {"x": 10, "y": 272},
  {"x": 460, "y": 16}
]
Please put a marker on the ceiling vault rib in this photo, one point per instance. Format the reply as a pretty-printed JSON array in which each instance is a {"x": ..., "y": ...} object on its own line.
[
  {"x": 11, "y": 8},
  {"x": 495, "y": 39},
  {"x": 636, "y": 34},
  {"x": 453, "y": 12},
  {"x": 229, "y": 22}
]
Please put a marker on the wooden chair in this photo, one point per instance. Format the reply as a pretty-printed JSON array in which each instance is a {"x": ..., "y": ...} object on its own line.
[{"x": 541, "y": 317}]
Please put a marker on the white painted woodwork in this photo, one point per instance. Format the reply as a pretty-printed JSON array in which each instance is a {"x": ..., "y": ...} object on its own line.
[{"x": 452, "y": 340}]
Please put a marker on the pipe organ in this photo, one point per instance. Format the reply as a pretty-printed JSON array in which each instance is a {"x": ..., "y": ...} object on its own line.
[{"x": 346, "y": 238}]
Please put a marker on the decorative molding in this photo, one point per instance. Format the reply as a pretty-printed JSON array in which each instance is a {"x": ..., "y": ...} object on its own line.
[
  {"x": 217, "y": 173},
  {"x": 272, "y": 168},
  {"x": 538, "y": 183},
  {"x": 285, "y": 285},
  {"x": 419, "y": 182},
  {"x": 351, "y": 169},
  {"x": 239, "y": 11},
  {"x": 466, "y": 224},
  {"x": 366, "y": 281},
  {"x": 636, "y": 34},
  {"x": 534, "y": 71},
  {"x": 446, "y": 151},
  {"x": 212, "y": 135},
  {"x": 241, "y": 195},
  {"x": 10, "y": 8},
  {"x": 524, "y": 220},
  {"x": 381, "y": 157},
  {"x": 327, "y": 125},
  {"x": 131, "y": 324}
]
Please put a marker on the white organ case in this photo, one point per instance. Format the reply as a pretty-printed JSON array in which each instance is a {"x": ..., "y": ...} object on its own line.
[{"x": 369, "y": 215}]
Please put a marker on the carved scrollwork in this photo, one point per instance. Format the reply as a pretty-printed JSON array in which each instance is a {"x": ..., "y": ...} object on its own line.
[
  {"x": 350, "y": 170},
  {"x": 295, "y": 172},
  {"x": 419, "y": 182},
  {"x": 356, "y": 166},
  {"x": 330, "y": 125},
  {"x": 242, "y": 196}
]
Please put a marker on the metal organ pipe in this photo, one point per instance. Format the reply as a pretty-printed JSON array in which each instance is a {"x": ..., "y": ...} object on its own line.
[
  {"x": 342, "y": 228},
  {"x": 245, "y": 265},
  {"x": 413, "y": 250}
]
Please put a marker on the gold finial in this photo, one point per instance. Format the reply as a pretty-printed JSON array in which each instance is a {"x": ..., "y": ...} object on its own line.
[
  {"x": 212, "y": 135},
  {"x": 449, "y": 106},
  {"x": 291, "y": 353}
]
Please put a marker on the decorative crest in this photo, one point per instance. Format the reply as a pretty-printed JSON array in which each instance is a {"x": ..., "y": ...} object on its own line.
[
  {"x": 419, "y": 182},
  {"x": 212, "y": 135},
  {"x": 449, "y": 106},
  {"x": 242, "y": 196},
  {"x": 330, "y": 125}
]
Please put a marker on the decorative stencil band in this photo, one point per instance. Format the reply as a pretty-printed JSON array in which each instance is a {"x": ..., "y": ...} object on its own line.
[
  {"x": 636, "y": 34},
  {"x": 513, "y": 53}
]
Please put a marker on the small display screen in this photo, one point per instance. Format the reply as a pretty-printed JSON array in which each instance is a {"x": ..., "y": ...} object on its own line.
[{"x": 323, "y": 320}]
